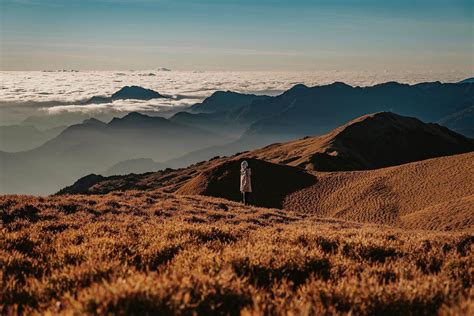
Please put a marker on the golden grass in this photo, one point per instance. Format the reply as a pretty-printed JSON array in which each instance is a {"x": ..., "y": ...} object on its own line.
[{"x": 156, "y": 253}]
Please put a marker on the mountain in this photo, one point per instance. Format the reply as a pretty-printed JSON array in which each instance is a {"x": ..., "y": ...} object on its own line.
[
  {"x": 14, "y": 138},
  {"x": 126, "y": 93},
  {"x": 396, "y": 190},
  {"x": 461, "y": 122},
  {"x": 94, "y": 146},
  {"x": 221, "y": 101},
  {"x": 303, "y": 111},
  {"x": 369, "y": 142},
  {"x": 467, "y": 80},
  {"x": 140, "y": 165},
  {"x": 135, "y": 92},
  {"x": 219, "y": 113}
]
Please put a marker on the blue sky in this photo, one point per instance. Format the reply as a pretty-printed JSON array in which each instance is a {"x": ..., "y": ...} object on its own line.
[{"x": 237, "y": 35}]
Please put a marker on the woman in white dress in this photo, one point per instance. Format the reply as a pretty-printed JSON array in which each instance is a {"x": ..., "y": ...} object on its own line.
[{"x": 245, "y": 182}]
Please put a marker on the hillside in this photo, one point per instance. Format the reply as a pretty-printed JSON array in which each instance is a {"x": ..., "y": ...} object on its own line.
[
  {"x": 369, "y": 142},
  {"x": 383, "y": 195},
  {"x": 271, "y": 184},
  {"x": 162, "y": 254},
  {"x": 430, "y": 194}
]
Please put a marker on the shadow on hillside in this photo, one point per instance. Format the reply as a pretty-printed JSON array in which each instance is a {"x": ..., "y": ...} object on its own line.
[{"x": 271, "y": 183}]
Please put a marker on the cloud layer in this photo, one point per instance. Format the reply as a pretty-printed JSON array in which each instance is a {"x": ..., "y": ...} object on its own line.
[{"x": 65, "y": 91}]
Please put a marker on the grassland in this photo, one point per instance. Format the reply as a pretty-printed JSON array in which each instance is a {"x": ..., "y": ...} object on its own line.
[{"x": 158, "y": 253}]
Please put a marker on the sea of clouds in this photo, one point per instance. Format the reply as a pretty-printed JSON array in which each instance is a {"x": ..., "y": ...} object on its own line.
[{"x": 23, "y": 94}]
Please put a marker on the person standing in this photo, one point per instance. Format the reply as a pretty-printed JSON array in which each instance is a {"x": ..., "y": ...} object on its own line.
[{"x": 245, "y": 182}]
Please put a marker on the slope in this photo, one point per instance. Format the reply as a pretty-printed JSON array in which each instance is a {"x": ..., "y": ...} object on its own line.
[
  {"x": 430, "y": 194},
  {"x": 369, "y": 142}
]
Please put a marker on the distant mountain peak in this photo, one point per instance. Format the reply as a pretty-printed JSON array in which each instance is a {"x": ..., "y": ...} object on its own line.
[
  {"x": 467, "y": 80},
  {"x": 297, "y": 87},
  {"x": 339, "y": 84},
  {"x": 225, "y": 101},
  {"x": 371, "y": 141},
  {"x": 93, "y": 121},
  {"x": 135, "y": 92},
  {"x": 136, "y": 119},
  {"x": 125, "y": 93},
  {"x": 135, "y": 114}
]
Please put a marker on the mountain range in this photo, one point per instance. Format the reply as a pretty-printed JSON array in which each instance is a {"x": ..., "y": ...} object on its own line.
[
  {"x": 303, "y": 110},
  {"x": 306, "y": 111},
  {"x": 229, "y": 122},
  {"x": 94, "y": 146},
  {"x": 15, "y": 138}
]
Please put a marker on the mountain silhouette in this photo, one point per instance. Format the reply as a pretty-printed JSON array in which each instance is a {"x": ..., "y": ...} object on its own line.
[
  {"x": 126, "y": 93},
  {"x": 94, "y": 146},
  {"x": 303, "y": 110},
  {"x": 135, "y": 92},
  {"x": 311, "y": 111},
  {"x": 221, "y": 101},
  {"x": 467, "y": 80}
]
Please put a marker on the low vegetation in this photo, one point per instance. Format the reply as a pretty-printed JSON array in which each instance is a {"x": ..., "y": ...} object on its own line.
[{"x": 157, "y": 253}]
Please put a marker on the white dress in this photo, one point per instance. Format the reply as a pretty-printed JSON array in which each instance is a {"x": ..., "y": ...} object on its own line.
[{"x": 245, "y": 183}]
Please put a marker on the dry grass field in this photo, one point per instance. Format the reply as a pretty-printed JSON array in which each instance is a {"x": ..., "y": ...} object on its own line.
[{"x": 156, "y": 253}]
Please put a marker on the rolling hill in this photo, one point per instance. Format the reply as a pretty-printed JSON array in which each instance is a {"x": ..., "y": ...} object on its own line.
[
  {"x": 284, "y": 175},
  {"x": 431, "y": 194}
]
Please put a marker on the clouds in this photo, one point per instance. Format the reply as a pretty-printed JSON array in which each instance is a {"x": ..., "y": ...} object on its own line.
[{"x": 66, "y": 91}]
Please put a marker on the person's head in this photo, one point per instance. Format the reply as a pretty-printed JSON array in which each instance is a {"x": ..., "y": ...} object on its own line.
[{"x": 244, "y": 165}]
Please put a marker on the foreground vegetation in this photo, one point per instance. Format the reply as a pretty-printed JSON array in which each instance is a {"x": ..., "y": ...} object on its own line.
[{"x": 156, "y": 253}]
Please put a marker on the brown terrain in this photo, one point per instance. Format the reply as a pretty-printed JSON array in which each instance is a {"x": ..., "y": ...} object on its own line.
[
  {"x": 434, "y": 193},
  {"x": 153, "y": 253},
  {"x": 385, "y": 234}
]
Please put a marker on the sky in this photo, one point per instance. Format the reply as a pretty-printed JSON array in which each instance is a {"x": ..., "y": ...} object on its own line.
[{"x": 261, "y": 35}]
